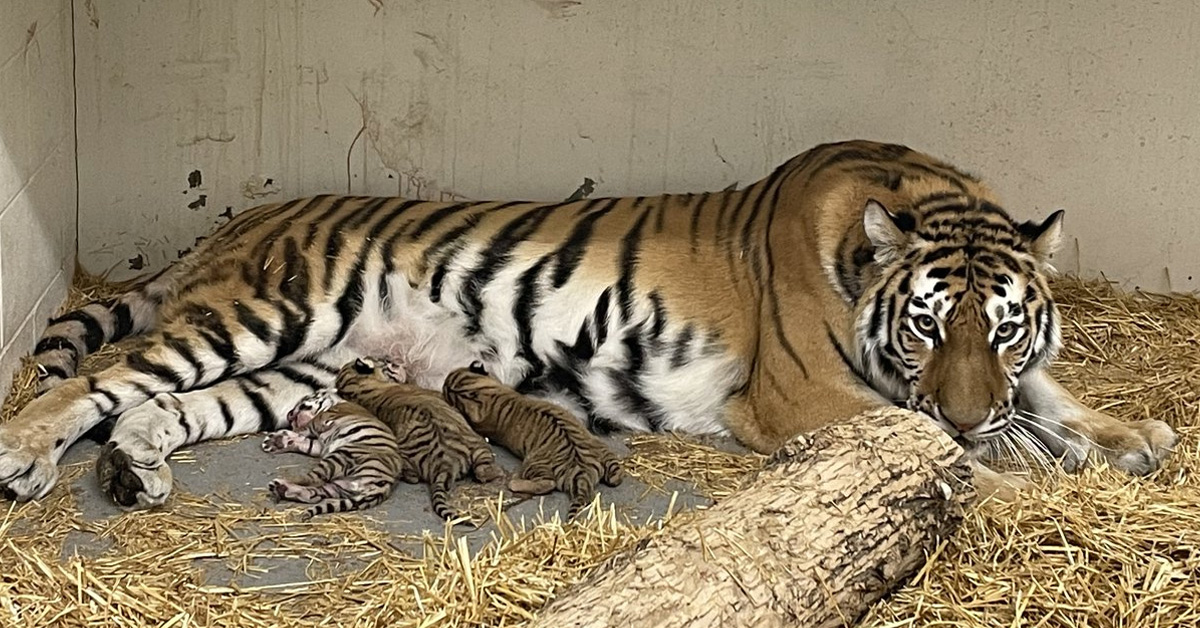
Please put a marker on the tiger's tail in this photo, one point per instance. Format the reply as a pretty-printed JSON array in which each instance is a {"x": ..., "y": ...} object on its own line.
[
  {"x": 612, "y": 472},
  {"x": 75, "y": 335},
  {"x": 439, "y": 494},
  {"x": 582, "y": 491}
]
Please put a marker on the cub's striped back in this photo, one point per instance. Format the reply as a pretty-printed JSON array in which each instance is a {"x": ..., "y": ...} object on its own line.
[
  {"x": 556, "y": 451},
  {"x": 433, "y": 438}
]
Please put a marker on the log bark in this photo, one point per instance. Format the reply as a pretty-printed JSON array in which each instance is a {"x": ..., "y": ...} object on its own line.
[{"x": 835, "y": 520}]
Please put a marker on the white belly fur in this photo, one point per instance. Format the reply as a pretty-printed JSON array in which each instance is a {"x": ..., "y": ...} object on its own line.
[{"x": 429, "y": 340}]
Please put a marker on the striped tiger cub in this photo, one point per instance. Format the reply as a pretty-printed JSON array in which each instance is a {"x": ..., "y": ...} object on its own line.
[
  {"x": 556, "y": 450},
  {"x": 360, "y": 460},
  {"x": 433, "y": 438}
]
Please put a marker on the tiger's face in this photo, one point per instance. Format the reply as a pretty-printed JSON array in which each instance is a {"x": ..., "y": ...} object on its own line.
[
  {"x": 311, "y": 407},
  {"x": 960, "y": 310}
]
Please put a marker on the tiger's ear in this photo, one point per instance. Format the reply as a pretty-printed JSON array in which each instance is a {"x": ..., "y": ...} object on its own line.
[
  {"x": 477, "y": 368},
  {"x": 1044, "y": 237},
  {"x": 887, "y": 232},
  {"x": 362, "y": 368}
]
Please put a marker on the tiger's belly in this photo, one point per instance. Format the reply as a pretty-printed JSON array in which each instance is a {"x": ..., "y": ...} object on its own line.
[{"x": 578, "y": 347}]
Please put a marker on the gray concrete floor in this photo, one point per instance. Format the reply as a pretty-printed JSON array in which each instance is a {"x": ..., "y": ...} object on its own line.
[{"x": 238, "y": 469}]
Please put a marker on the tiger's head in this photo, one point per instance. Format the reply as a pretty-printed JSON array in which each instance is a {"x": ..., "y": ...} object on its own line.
[
  {"x": 959, "y": 309},
  {"x": 466, "y": 389},
  {"x": 310, "y": 407},
  {"x": 372, "y": 368}
]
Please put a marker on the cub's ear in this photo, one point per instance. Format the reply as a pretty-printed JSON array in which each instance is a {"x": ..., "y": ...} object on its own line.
[
  {"x": 889, "y": 233},
  {"x": 362, "y": 367},
  {"x": 1044, "y": 237},
  {"x": 477, "y": 368}
]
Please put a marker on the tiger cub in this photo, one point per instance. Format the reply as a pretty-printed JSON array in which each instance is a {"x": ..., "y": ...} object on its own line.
[
  {"x": 360, "y": 459},
  {"x": 556, "y": 450},
  {"x": 433, "y": 437}
]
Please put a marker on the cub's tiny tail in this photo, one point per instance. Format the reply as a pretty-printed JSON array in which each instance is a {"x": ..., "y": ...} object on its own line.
[{"x": 439, "y": 493}]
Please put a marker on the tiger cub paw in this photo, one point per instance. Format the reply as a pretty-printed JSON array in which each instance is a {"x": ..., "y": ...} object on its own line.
[
  {"x": 279, "y": 488},
  {"x": 488, "y": 472},
  {"x": 281, "y": 441}
]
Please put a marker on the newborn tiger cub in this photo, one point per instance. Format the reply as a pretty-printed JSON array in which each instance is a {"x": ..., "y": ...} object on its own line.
[
  {"x": 360, "y": 459},
  {"x": 556, "y": 450},
  {"x": 434, "y": 439}
]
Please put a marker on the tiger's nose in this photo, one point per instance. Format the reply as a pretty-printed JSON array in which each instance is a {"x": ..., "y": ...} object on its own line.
[{"x": 965, "y": 421}]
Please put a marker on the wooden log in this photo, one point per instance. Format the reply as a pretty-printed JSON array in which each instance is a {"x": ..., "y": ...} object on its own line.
[{"x": 834, "y": 521}]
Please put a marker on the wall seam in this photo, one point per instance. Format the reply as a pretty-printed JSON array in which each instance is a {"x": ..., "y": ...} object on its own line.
[{"x": 75, "y": 142}]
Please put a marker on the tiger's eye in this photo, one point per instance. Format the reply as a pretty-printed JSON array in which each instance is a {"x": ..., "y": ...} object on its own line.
[
  {"x": 925, "y": 324},
  {"x": 1005, "y": 331}
]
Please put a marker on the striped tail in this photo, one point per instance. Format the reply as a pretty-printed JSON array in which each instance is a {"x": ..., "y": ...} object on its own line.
[
  {"x": 439, "y": 494},
  {"x": 612, "y": 472},
  {"x": 342, "y": 504},
  {"x": 582, "y": 491},
  {"x": 73, "y": 336}
]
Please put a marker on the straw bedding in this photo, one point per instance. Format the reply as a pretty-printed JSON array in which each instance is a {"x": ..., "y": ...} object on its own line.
[{"x": 1098, "y": 549}]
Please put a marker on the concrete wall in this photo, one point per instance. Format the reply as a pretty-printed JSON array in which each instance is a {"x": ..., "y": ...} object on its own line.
[
  {"x": 37, "y": 171},
  {"x": 192, "y": 109}
]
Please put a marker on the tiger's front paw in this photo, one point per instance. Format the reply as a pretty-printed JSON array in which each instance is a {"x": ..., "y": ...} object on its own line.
[
  {"x": 25, "y": 475},
  {"x": 1140, "y": 448},
  {"x": 132, "y": 484}
]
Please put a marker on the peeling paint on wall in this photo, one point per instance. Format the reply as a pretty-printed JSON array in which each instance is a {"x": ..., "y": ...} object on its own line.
[
  {"x": 89, "y": 8},
  {"x": 259, "y": 186},
  {"x": 584, "y": 190}
]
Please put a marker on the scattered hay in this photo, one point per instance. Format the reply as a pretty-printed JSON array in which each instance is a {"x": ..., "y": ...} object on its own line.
[
  {"x": 656, "y": 460},
  {"x": 1098, "y": 549}
]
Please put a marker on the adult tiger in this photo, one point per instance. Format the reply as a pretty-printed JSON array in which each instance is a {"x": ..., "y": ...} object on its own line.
[{"x": 857, "y": 274}]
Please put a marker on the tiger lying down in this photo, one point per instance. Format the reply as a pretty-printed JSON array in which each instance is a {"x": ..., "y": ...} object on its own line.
[{"x": 855, "y": 275}]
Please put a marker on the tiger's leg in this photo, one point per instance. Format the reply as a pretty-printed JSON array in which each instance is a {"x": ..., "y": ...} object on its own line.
[
  {"x": 287, "y": 441},
  {"x": 533, "y": 479},
  {"x": 1074, "y": 432},
  {"x": 483, "y": 462},
  {"x": 408, "y": 472},
  {"x": 74, "y": 335},
  {"x": 199, "y": 348},
  {"x": 132, "y": 467}
]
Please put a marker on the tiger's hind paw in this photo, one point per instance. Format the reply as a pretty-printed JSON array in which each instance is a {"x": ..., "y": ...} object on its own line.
[
  {"x": 283, "y": 441},
  {"x": 488, "y": 472},
  {"x": 132, "y": 484}
]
